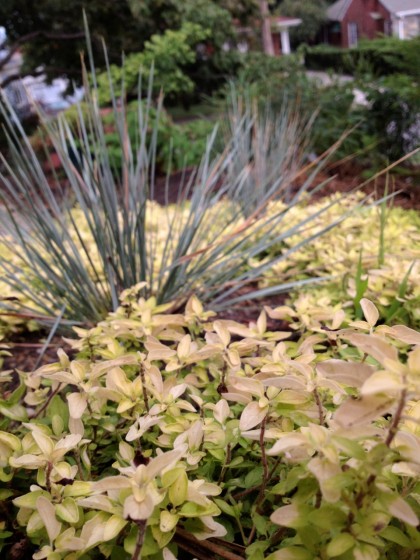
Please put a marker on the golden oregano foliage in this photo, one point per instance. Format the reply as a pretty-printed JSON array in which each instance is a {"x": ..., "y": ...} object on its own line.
[{"x": 166, "y": 430}]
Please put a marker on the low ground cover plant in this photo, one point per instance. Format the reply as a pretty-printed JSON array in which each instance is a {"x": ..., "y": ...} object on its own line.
[
  {"x": 373, "y": 253},
  {"x": 184, "y": 436}
]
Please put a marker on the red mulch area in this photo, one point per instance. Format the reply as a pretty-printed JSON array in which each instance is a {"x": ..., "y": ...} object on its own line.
[
  {"x": 343, "y": 178},
  {"x": 346, "y": 177}
]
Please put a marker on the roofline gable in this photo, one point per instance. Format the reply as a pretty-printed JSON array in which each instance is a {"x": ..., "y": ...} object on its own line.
[{"x": 398, "y": 12}]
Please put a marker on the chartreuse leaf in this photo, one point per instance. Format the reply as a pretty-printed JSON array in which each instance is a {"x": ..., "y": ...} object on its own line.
[
  {"x": 254, "y": 477},
  {"x": 365, "y": 552},
  {"x": 13, "y": 411},
  {"x": 179, "y": 488},
  {"x": 68, "y": 510},
  {"x": 29, "y": 500},
  {"x": 162, "y": 538},
  {"x": 351, "y": 447},
  {"x": 261, "y": 523},
  {"x": 225, "y": 507},
  {"x": 17, "y": 394},
  {"x": 256, "y": 550},
  {"x": 340, "y": 544},
  {"x": 395, "y": 535},
  {"x": 291, "y": 553},
  {"x": 168, "y": 521},
  {"x": 5, "y": 477},
  {"x": 58, "y": 407},
  {"x": 327, "y": 517}
]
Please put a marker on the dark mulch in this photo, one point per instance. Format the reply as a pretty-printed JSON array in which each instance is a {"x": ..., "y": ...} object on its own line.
[
  {"x": 26, "y": 350},
  {"x": 343, "y": 178}
]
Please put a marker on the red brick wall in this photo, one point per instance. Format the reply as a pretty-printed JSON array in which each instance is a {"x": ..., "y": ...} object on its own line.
[
  {"x": 368, "y": 27},
  {"x": 276, "y": 42}
]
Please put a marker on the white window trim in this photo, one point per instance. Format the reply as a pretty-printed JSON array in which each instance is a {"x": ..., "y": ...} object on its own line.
[{"x": 352, "y": 25}]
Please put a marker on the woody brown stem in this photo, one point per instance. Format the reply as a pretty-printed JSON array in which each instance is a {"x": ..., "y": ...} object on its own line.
[
  {"x": 201, "y": 549},
  {"x": 141, "y": 524},
  {"x": 396, "y": 419}
]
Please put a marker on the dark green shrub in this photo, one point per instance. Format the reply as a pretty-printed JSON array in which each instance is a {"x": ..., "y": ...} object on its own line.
[
  {"x": 394, "y": 115},
  {"x": 178, "y": 145},
  {"x": 383, "y": 57},
  {"x": 257, "y": 66}
]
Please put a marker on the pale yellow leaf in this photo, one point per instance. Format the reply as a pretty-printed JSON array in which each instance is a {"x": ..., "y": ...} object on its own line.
[
  {"x": 382, "y": 382},
  {"x": 45, "y": 443},
  {"x": 401, "y": 510},
  {"x": 356, "y": 412},
  {"x": 288, "y": 516},
  {"x": 77, "y": 404},
  {"x": 184, "y": 347},
  {"x": 369, "y": 311},
  {"x": 353, "y": 374},
  {"x": 405, "y": 334},
  {"x": 223, "y": 333},
  {"x": 113, "y": 527},
  {"x": 252, "y": 415},
  {"x": 47, "y": 512}
]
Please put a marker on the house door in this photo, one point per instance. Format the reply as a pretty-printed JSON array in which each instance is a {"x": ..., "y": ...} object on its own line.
[{"x": 353, "y": 34}]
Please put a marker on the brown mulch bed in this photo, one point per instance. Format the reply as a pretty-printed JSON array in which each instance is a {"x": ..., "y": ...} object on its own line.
[
  {"x": 26, "y": 350},
  {"x": 341, "y": 178}
]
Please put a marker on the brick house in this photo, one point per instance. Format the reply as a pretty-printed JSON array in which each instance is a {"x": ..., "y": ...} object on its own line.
[
  {"x": 280, "y": 27},
  {"x": 351, "y": 20}
]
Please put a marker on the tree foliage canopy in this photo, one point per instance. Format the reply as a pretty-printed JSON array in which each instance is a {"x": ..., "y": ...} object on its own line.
[
  {"x": 50, "y": 33},
  {"x": 312, "y": 14}
]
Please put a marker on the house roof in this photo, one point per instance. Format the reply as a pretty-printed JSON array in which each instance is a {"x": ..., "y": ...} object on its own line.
[
  {"x": 401, "y": 7},
  {"x": 338, "y": 10},
  {"x": 282, "y": 21}
]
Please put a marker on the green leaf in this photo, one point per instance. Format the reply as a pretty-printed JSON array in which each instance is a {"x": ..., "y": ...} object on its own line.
[
  {"x": 256, "y": 550},
  {"x": 58, "y": 407},
  {"x": 395, "y": 535},
  {"x": 261, "y": 523},
  {"x": 327, "y": 517},
  {"x": 291, "y": 553},
  {"x": 225, "y": 508},
  {"x": 190, "y": 510},
  {"x": 351, "y": 447},
  {"x": 340, "y": 544},
  {"x": 254, "y": 477},
  {"x": 68, "y": 510}
]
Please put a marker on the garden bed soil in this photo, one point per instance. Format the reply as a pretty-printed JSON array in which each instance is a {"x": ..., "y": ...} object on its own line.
[{"x": 341, "y": 178}]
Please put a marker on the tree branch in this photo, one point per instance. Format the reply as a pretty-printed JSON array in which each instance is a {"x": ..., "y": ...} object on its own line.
[{"x": 34, "y": 35}]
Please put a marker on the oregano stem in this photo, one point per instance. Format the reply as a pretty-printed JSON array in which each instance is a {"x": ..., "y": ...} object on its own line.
[
  {"x": 396, "y": 419},
  {"x": 141, "y": 524}
]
